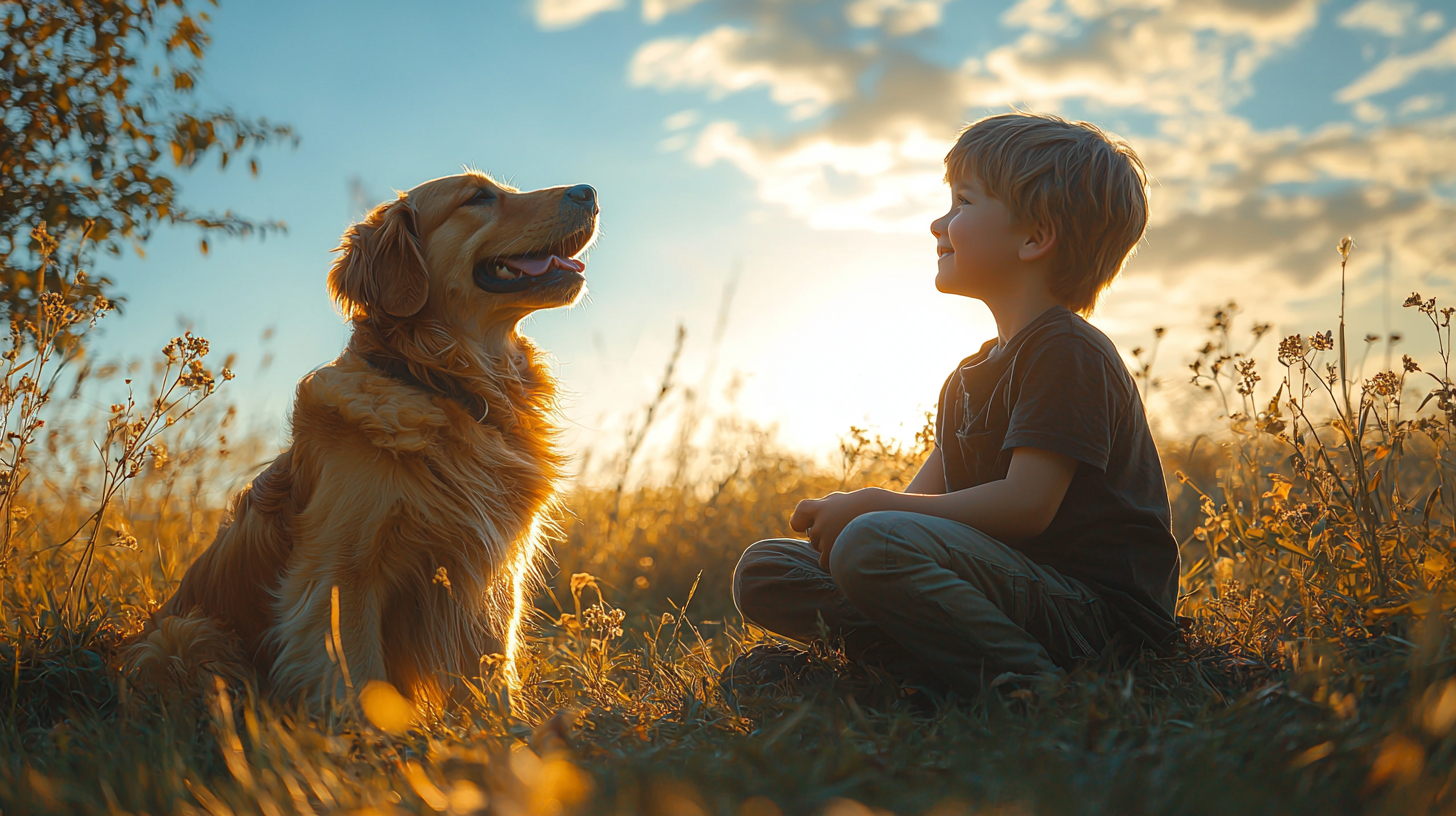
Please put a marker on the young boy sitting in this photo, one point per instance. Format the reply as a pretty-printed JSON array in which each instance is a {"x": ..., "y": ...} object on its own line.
[{"x": 1037, "y": 532}]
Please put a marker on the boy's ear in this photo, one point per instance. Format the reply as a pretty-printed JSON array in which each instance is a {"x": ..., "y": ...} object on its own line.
[
  {"x": 380, "y": 265},
  {"x": 1040, "y": 241}
]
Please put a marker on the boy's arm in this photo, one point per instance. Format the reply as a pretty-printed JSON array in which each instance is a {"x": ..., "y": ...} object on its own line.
[
  {"x": 1020, "y": 506},
  {"x": 931, "y": 476}
]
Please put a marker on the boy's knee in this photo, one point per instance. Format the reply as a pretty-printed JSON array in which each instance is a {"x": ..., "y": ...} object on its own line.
[
  {"x": 861, "y": 554},
  {"x": 759, "y": 566}
]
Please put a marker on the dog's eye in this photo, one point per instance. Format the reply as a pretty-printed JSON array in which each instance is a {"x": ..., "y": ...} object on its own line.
[{"x": 482, "y": 196}]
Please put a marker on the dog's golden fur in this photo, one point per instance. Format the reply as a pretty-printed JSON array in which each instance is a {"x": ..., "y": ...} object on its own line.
[{"x": 391, "y": 476}]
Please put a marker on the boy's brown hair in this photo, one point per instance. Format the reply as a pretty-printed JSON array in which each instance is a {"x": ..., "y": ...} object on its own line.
[{"x": 1087, "y": 184}]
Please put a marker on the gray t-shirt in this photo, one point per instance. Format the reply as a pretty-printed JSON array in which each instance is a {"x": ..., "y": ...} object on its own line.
[{"x": 1059, "y": 385}]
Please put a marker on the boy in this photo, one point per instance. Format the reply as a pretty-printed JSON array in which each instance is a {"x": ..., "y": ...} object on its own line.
[{"x": 1037, "y": 532}]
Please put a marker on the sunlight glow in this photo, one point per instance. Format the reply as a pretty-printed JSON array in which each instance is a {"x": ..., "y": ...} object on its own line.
[{"x": 520, "y": 579}]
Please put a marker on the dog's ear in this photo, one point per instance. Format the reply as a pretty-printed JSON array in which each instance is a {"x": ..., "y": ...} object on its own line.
[{"x": 380, "y": 265}]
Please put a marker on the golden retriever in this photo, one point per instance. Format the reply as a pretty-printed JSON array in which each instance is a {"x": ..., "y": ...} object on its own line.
[{"x": 422, "y": 467}]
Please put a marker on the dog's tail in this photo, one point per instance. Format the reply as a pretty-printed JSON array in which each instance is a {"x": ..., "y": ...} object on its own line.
[{"x": 181, "y": 654}]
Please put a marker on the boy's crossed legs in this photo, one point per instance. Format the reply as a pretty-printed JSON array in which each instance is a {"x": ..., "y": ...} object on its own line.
[{"x": 924, "y": 595}]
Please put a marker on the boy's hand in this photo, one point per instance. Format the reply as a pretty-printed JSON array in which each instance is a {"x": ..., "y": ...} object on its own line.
[{"x": 824, "y": 519}]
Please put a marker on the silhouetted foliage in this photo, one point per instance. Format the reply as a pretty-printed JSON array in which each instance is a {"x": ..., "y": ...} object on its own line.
[{"x": 96, "y": 97}]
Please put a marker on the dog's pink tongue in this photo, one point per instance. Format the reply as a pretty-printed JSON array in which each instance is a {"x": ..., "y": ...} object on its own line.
[{"x": 535, "y": 267}]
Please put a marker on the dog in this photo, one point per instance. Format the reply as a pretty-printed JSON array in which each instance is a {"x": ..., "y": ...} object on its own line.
[{"x": 424, "y": 466}]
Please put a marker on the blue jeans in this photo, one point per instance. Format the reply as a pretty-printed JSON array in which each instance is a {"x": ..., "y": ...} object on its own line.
[{"x": 924, "y": 596}]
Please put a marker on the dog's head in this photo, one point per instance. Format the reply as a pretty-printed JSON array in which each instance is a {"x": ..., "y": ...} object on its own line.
[{"x": 468, "y": 251}]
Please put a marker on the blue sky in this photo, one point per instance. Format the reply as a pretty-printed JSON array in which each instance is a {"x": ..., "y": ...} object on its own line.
[{"x": 799, "y": 144}]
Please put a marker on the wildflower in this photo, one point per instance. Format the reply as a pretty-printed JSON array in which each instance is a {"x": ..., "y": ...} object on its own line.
[
  {"x": 1413, "y": 300},
  {"x": 1372, "y": 338},
  {"x": 46, "y": 244},
  {"x": 1247, "y": 376},
  {"x": 582, "y": 580},
  {"x": 1291, "y": 348},
  {"x": 1159, "y": 331},
  {"x": 1332, "y": 374},
  {"x": 1347, "y": 244},
  {"x": 1385, "y": 384},
  {"x": 1322, "y": 341},
  {"x": 604, "y": 620},
  {"x": 1408, "y": 363}
]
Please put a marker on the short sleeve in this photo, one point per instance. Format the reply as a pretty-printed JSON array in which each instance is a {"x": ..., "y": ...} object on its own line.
[
  {"x": 1067, "y": 401},
  {"x": 944, "y": 405}
]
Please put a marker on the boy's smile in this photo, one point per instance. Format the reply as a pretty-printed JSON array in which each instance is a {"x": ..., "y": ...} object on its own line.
[{"x": 977, "y": 244}]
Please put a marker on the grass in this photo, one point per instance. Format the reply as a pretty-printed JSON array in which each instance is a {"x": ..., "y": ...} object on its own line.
[{"x": 1316, "y": 674}]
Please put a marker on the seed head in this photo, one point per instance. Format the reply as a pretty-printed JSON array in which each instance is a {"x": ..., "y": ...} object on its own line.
[
  {"x": 1291, "y": 348},
  {"x": 46, "y": 244},
  {"x": 1247, "y": 376},
  {"x": 1385, "y": 384}
]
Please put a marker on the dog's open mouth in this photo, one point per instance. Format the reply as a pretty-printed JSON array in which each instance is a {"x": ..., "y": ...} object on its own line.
[
  {"x": 517, "y": 273},
  {"x": 509, "y": 269}
]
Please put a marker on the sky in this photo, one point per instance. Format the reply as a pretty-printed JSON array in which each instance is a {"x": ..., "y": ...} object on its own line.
[{"x": 768, "y": 169}]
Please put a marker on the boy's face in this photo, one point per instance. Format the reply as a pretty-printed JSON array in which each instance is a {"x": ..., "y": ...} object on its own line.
[{"x": 978, "y": 245}]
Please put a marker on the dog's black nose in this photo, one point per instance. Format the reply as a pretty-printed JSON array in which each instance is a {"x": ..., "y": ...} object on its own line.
[{"x": 582, "y": 194}]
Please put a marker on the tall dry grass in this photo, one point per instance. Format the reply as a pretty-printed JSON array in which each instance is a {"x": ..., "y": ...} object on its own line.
[{"x": 1316, "y": 520}]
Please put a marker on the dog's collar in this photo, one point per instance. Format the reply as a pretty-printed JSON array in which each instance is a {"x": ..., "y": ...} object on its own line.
[{"x": 399, "y": 370}]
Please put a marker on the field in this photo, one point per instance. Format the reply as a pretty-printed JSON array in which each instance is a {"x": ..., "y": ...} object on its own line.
[{"x": 1315, "y": 676}]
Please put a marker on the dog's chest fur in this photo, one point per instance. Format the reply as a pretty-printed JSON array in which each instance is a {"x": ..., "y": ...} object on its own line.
[
  {"x": 462, "y": 491},
  {"x": 416, "y": 509}
]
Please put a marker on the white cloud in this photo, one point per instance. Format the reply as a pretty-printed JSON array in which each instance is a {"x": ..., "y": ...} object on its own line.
[
  {"x": 682, "y": 119},
  {"x": 1395, "y": 71},
  {"x": 568, "y": 13},
  {"x": 654, "y": 10},
  {"x": 1389, "y": 17},
  {"x": 1241, "y": 197},
  {"x": 898, "y": 17},
  {"x": 892, "y": 184},
  {"x": 726, "y": 60},
  {"x": 1171, "y": 57},
  {"x": 1424, "y": 103},
  {"x": 1368, "y": 112}
]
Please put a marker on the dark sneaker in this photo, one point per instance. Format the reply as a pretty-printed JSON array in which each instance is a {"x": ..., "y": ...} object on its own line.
[
  {"x": 773, "y": 667},
  {"x": 1029, "y": 688}
]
